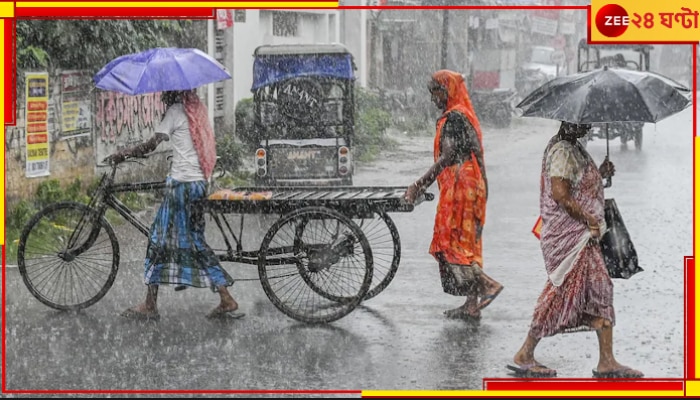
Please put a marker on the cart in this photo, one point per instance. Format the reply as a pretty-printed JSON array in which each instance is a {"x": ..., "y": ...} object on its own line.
[{"x": 330, "y": 249}]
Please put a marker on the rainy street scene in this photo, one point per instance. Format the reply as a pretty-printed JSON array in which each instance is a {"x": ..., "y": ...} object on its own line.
[{"x": 343, "y": 200}]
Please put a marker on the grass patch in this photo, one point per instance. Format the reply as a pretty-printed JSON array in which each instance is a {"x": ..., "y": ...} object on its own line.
[{"x": 50, "y": 192}]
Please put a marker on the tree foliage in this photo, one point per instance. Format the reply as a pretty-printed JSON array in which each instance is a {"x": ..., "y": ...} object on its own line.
[{"x": 90, "y": 44}]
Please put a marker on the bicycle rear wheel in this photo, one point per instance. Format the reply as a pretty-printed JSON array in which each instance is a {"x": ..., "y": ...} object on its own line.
[{"x": 68, "y": 258}]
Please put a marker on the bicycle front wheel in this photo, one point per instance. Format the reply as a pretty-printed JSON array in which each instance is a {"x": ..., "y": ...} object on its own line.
[{"x": 68, "y": 256}]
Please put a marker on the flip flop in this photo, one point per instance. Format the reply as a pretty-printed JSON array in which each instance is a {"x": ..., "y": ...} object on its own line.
[
  {"x": 526, "y": 371},
  {"x": 624, "y": 372},
  {"x": 225, "y": 315},
  {"x": 139, "y": 316},
  {"x": 488, "y": 299}
]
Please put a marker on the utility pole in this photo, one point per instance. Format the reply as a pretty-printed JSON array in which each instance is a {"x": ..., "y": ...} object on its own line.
[{"x": 445, "y": 37}]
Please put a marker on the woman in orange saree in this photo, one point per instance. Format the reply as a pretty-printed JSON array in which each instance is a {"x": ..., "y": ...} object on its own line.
[{"x": 461, "y": 212}]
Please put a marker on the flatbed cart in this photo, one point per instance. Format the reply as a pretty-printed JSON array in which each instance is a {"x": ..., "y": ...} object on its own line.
[{"x": 330, "y": 249}]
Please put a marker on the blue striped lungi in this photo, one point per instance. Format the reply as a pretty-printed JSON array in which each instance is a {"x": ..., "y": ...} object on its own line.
[{"x": 177, "y": 252}]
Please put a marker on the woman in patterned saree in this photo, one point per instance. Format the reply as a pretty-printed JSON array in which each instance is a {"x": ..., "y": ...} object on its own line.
[
  {"x": 578, "y": 294},
  {"x": 177, "y": 252}
]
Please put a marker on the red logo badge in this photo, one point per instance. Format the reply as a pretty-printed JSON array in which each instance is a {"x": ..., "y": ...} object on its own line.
[{"x": 612, "y": 20}]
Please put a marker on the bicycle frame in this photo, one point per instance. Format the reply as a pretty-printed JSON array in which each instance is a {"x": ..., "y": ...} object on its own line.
[{"x": 104, "y": 197}]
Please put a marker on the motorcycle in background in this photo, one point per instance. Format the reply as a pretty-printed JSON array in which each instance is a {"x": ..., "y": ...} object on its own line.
[{"x": 495, "y": 107}]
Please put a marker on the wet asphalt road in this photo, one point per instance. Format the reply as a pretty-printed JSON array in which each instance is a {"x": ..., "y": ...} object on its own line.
[{"x": 399, "y": 339}]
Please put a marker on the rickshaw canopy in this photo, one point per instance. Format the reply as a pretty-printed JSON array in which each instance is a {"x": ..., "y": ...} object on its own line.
[{"x": 276, "y": 63}]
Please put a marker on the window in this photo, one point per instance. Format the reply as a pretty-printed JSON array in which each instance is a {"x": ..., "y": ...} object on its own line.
[{"x": 285, "y": 23}]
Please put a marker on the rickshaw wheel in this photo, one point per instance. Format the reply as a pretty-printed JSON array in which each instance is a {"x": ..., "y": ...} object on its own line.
[
  {"x": 312, "y": 251},
  {"x": 383, "y": 238}
]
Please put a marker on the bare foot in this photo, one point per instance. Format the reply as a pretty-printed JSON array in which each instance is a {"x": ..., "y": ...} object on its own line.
[
  {"x": 490, "y": 295},
  {"x": 522, "y": 359},
  {"x": 226, "y": 306}
]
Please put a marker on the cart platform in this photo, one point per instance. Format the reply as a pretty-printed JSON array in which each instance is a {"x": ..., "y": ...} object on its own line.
[{"x": 352, "y": 200}]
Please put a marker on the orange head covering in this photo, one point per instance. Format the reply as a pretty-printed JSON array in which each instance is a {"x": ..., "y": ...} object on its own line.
[
  {"x": 462, "y": 202},
  {"x": 457, "y": 96}
]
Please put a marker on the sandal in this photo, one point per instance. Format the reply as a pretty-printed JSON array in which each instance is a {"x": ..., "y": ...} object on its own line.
[
  {"x": 624, "y": 372},
  {"x": 486, "y": 300},
  {"x": 220, "y": 314},
  {"x": 528, "y": 371}
]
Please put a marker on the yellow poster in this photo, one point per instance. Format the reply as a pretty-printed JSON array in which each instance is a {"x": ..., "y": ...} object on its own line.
[{"x": 36, "y": 123}]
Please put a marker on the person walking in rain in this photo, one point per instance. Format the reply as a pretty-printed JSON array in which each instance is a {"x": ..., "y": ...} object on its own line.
[
  {"x": 578, "y": 294},
  {"x": 461, "y": 211},
  {"x": 177, "y": 253}
]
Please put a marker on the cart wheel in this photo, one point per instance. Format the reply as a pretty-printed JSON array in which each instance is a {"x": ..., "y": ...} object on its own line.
[
  {"x": 315, "y": 265},
  {"x": 383, "y": 238},
  {"x": 67, "y": 258}
]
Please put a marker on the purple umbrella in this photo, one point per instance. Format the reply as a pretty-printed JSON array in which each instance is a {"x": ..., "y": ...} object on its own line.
[{"x": 160, "y": 69}]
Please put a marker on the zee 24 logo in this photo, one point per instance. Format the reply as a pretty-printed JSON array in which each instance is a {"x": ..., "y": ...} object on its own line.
[{"x": 612, "y": 20}]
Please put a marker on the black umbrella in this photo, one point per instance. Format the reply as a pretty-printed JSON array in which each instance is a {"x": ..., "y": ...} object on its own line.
[{"x": 607, "y": 95}]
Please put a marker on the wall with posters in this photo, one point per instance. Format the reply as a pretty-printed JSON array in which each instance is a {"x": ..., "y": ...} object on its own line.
[
  {"x": 39, "y": 147},
  {"x": 64, "y": 131}
]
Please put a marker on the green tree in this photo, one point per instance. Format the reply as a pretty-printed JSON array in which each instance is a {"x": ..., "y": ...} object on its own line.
[{"x": 90, "y": 44}]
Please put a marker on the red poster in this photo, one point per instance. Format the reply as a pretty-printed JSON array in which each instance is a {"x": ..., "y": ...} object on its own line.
[{"x": 224, "y": 19}]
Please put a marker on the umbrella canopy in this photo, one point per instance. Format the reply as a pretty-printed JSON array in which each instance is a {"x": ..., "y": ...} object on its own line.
[
  {"x": 160, "y": 69},
  {"x": 607, "y": 95}
]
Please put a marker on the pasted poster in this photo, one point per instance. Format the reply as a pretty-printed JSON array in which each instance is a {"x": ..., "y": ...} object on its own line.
[
  {"x": 75, "y": 104},
  {"x": 224, "y": 19},
  {"x": 36, "y": 123},
  {"x": 123, "y": 121}
]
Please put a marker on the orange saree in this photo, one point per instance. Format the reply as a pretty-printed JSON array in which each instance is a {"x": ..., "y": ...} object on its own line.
[{"x": 462, "y": 202}]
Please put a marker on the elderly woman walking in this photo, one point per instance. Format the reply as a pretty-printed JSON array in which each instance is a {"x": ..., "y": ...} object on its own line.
[
  {"x": 461, "y": 212},
  {"x": 578, "y": 294}
]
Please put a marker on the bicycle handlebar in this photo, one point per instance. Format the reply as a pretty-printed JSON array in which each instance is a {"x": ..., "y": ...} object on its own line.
[{"x": 105, "y": 162}]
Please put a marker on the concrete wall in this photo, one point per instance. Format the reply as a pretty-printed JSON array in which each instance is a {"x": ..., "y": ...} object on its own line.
[
  {"x": 117, "y": 121},
  {"x": 69, "y": 160},
  {"x": 353, "y": 34},
  {"x": 69, "y": 157}
]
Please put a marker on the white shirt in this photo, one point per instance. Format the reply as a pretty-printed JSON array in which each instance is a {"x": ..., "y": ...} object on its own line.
[{"x": 185, "y": 167}]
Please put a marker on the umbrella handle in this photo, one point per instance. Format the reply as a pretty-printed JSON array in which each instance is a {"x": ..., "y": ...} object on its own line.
[{"x": 608, "y": 182}]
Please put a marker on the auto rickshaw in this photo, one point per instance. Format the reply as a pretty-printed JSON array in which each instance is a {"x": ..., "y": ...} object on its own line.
[{"x": 303, "y": 105}]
